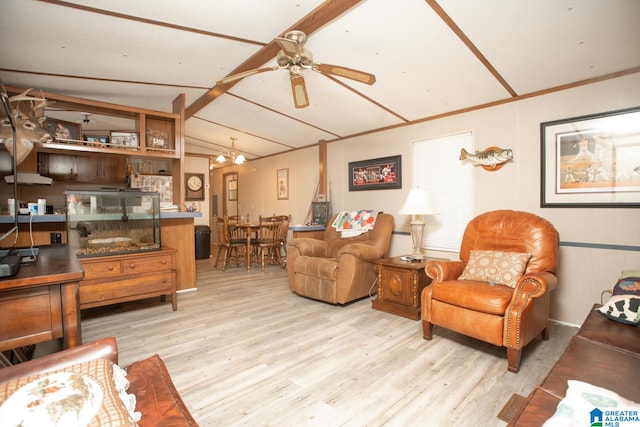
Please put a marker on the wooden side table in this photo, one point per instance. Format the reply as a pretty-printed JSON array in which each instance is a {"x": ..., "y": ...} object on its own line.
[{"x": 400, "y": 284}]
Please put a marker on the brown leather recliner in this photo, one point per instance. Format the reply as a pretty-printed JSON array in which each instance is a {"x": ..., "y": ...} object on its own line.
[
  {"x": 495, "y": 313},
  {"x": 338, "y": 270}
]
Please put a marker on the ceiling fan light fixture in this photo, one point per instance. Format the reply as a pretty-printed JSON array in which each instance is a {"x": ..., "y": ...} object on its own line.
[
  {"x": 306, "y": 59},
  {"x": 295, "y": 58},
  {"x": 296, "y": 36},
  {"x": 283, "y": 60}
]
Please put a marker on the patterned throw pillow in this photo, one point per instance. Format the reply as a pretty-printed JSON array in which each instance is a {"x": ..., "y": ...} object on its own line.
[
  {"x": 495, "y": 267},
  {"x": 628, "y": 285},
  {"x": 623, "y": 309},
  {"x": 80, "y": 394}
]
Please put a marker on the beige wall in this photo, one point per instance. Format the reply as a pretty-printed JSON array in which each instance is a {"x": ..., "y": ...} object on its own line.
[
  {"x": 583, "y": 272},
  {"x": 257, "y": 185}
]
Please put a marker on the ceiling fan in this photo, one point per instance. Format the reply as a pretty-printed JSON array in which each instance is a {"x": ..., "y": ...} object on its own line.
[{"x": 295, "y": 58}]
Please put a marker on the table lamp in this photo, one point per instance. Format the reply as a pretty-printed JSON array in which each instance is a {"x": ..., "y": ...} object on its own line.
[{"x": 418, "y": 203}]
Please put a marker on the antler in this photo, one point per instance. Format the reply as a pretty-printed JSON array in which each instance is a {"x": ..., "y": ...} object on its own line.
[
  {"x": 28, "y": 127},
  {"x": 33, "y": 107}
]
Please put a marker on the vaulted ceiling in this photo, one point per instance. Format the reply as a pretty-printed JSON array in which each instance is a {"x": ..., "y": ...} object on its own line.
[{"x": 430, "y": 58}]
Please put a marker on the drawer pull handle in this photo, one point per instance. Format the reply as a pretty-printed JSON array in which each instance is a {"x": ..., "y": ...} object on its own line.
[
  {"x": 132, "y": 266},
  {"x": 164, "y": 261},
  {"x": 110, "y": 268}
]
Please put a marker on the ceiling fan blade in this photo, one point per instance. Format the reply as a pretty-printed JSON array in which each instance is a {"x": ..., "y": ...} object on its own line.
[
  {"x": 289, "y": 47},
  {"x": 299, "y": 89},
  {"x": 349, "y": 73},
  {"x": 242, "y": 75}
]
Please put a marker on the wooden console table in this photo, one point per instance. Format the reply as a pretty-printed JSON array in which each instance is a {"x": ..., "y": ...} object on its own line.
[
  {"x": 40, "y": 302},
  {"x": 400, "y": 284}
]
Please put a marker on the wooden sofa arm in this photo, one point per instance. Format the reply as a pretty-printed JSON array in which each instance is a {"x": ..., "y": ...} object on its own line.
[{"x": 105, "y": 348}]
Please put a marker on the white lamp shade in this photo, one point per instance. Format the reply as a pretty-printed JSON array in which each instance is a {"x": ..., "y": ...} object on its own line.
[
  {"x": 239, "y": 160},
  {"x": 418, "y": 203}
]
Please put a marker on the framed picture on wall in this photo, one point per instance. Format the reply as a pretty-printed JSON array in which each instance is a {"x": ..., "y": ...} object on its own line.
[
  {"x": 282, "y": 182},
  {"x": 63, "y": 131},
  {"x": 376, "y": 174},
  {"x": 591, "y": 161}
]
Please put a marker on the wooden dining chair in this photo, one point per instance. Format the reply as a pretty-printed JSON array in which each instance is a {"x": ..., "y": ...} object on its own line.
[
  {"x": 226, "y": 245},
  {"x": 269, "y": 240},
  {"x": 235, "y": 234},
  {"x": 284, "y": 233}
]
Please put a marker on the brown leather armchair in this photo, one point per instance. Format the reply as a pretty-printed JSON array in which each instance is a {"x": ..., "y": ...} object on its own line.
[
  {"x": 334, "y": 269},
  {"x": 495, "y": 313}
]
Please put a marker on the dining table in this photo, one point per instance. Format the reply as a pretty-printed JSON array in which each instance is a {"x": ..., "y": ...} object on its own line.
[{"x": 248, "y": 230}]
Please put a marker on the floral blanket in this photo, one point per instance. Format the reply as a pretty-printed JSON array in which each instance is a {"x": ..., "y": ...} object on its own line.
[{"x": 354, "y": 223}]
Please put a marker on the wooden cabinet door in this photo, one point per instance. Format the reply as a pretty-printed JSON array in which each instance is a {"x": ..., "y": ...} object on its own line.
[
  {"x": 60, "y": 167},
  {"x": 102, "y": 169},
  {"x": 398, "y": 286},
  {"x": 114, "y": 169},
  {"x": 89, "y": 169}
]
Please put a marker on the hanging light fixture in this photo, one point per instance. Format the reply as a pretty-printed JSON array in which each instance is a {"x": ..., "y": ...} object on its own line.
[{"x": 235, "y": 156}]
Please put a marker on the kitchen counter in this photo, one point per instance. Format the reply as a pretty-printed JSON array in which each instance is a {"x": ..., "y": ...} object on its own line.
[
  {"x": 176, "y": 228},
  {"x": 26, "y": 219}
]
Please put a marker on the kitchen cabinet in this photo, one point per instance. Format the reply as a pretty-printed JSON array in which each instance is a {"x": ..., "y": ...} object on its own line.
[
  {"x": 160, "y": 136},
  {"x": 80, "y": 168},
  {"x": 102, "y": 169}
]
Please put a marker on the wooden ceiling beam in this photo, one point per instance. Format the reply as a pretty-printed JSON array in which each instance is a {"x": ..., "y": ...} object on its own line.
[
  {"x": 467, "y": 41},
  {"x": 316, "y": 19}
]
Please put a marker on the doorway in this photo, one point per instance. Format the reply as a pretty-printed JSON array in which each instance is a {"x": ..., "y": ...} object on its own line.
[{"x": 230, "y": 193}]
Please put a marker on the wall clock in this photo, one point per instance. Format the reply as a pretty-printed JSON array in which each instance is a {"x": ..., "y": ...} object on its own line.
[{"x": 194, "y": 186}]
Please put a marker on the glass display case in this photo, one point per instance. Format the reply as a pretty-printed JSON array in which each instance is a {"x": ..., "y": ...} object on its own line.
[{"x": 112, "y": 222}]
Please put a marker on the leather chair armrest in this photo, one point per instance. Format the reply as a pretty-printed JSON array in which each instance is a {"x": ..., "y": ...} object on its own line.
[
  {"x": 441, "y": 270},
  {"x": 523, "y": 306},
  {"x": 310, "y": 247},
  {"x": 361, "y": 251},
  {"x": 105, "y": 348},
  {"x": 532, "y": 285}
]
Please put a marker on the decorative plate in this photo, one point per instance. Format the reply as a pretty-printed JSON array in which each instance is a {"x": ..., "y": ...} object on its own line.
[{"x": 62, "y": 399}]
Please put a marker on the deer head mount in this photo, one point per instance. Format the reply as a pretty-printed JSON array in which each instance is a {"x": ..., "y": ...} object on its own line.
[{"x": 28, "y": 126}]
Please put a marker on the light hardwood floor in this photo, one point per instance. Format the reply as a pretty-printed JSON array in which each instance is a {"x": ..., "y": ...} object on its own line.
[{"x": 244, "y": 350}]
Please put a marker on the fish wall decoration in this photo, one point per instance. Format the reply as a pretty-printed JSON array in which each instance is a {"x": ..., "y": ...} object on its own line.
[{"x": 490, "y": 159}]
